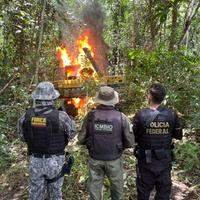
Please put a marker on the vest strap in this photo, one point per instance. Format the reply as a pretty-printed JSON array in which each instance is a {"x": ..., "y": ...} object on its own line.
[
  {"x": 152, "y": 117},
  {"x": 66, "y": 168}
]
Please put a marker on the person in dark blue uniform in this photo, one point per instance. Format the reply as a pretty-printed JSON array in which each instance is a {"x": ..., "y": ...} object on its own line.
[{"x": 154, "y": 129}]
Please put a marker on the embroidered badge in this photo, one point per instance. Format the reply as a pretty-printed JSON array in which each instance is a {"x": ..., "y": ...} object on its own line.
[
  {"x": 103, "y": 127},
  {"x": 38, "y": 122}
]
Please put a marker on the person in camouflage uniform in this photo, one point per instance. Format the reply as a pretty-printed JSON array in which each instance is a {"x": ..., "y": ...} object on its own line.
[
  {"x": 106, "y": 132},
  {"x": 46, "y": 132}
]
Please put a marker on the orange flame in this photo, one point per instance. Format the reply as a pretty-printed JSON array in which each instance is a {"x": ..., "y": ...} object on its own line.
[
  {"x": 63, "y": 57},
  {"x": 83, "y": 42},
  {"x": 78, "y": 102},
  {"x": 73, "y": 62},
  {"x": 66, "y": 58}
]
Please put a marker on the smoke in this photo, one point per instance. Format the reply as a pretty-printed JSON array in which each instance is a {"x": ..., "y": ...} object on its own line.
[
  {"x": 80, "y": 16},
  {"x": 68, "y": 20},
  {"x": 93, "y": 16}
]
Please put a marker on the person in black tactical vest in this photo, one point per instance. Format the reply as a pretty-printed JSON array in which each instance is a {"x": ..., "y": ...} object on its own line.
[
  {"x": 106, "y": 132},
  {"x": 154, "y": 128},
  {"x": 46, "y": 132}
]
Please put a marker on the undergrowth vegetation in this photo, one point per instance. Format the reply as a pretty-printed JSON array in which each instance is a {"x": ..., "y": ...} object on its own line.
[
  {"x": 12, "y": 106},
  {"x": 5, "y": 157},
  {"x": 187, "y": 157},
  {"x": 178, "y": 72}
]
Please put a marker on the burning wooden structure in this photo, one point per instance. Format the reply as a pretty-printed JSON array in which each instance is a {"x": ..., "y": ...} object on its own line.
[{"x": 77, "y": 68}]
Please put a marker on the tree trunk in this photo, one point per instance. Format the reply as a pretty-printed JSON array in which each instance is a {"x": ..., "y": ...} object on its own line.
[
  {"x": 152, "y": 24},
  {"x": 187, "y": 38},
  {"x": 135, "y": 26},
  {"x": 174, "y": 26},
  {"x": 192, "y": 11},
  {"x": 37, "y": 63},
  {"x": 117, "y": 29},
  {"x": 8, "y": 84}
]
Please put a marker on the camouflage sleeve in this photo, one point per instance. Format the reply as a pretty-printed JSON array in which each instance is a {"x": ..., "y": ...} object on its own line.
[
  {"x": 67, "y": 125},
  {"x": 19, "y": 127},
  {"x": 177, "y": 131},
  {"x": 82, "y": 137},
  {"x": 128, "y": 136}
]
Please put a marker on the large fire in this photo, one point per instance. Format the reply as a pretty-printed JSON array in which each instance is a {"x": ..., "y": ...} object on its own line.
[
  {"x": 74, "y": 63},
  {"x": 67, "y": 58}
]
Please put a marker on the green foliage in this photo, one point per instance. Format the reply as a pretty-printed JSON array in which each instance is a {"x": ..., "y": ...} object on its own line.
[
  {"x": 11, "y": 108},
  {"x": 75, "y": 183},
  {"x": 5, "y": 156},
  {"x": 179, "y": 74},
  {"x": 90, "y": 87},
  {"x": 10, "y": 111},
  {"x": 187, "y": 156}
]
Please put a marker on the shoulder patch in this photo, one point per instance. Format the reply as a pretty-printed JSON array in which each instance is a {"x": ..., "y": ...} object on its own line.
[
  {"x": 103, "y": 127},
  {"x": 38, "y": 122}
]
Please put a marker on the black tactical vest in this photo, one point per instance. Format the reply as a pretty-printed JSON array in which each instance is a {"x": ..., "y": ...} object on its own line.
[
  {"x": 104, "y": 132},
  {"x": 156, "y": 133},
  {"x": 42, "y": 134}
]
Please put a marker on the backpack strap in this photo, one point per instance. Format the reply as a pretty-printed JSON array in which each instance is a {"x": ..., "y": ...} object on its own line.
[
  {"x": 66, "y": 168},
  {"x": 152, "y": 117}
]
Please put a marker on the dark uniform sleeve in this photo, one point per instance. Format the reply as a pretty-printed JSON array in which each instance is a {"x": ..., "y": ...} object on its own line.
[
  {"x": 136, "y": 126},
  {"x": 177, "y": 131}
]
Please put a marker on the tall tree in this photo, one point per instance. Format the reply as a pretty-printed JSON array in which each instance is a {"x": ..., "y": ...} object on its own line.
[
  {"x": 40, "y": 36},
  {"x": 192, "y": 10},
  {"x": 174, "y": 24}
]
